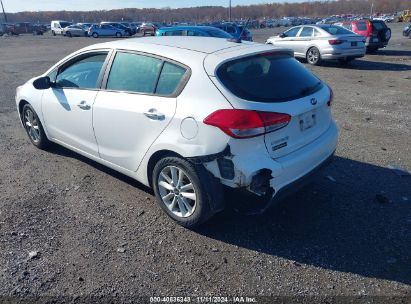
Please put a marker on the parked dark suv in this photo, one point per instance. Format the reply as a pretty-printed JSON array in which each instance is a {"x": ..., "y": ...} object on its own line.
[
  {"x": 27, "y": 28},
  {"x": 376, "y": 32}
]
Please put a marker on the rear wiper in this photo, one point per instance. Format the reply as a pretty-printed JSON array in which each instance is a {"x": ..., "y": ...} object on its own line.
[{"x": 309, "y": 90}]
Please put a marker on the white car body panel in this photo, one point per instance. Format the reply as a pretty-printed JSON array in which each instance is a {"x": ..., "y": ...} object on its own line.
[{"x": 119, "y": 135}]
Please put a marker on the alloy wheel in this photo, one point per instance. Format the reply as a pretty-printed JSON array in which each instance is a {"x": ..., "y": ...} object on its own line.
[
  {"x": 313, "y": 55},
  {"x": 32, "y": 125},
  {"x": 177, "y": 191}
]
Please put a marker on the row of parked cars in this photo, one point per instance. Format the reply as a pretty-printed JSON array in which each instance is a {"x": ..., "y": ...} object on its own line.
[
  {"x": 14, "y": 29},
  {"x": 343, "y": 41},
  {"x": 124, "y": 29},
  {"x": 103, "y": 29}
]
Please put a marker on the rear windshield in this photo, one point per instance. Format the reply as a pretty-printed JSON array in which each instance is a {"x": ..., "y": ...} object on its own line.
[
  {"x": 268, "y": 78},
  {"x": 218, "y": 34},
  {"x": 379, "y": 25},
  {"x": 362, "y": 26},
  {"x": 336, "y": 30}
]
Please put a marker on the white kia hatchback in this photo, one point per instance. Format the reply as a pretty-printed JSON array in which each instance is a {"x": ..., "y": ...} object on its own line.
[{"x": 185, "y": 116}]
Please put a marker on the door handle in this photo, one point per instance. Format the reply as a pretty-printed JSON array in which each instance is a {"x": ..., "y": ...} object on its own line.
[
  {"x": 154, "y": 115},
  {"x": 84, "y": 106}
]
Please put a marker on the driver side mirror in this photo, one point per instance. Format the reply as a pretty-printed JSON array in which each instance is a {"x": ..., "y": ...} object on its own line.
[
  {"x": 43, "y": 83},
  {"x": 283, "y": 35}
]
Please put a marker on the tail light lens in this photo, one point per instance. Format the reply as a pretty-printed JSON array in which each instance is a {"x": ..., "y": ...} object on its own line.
[
  {"x": 330, "y": 101},
  {"x": 335, "y": 42},
  {"x": 246, "y": 123}
]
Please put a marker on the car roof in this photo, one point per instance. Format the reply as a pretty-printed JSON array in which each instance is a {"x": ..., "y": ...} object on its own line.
[
  {"x": 208, "y": 45},
  {"x": 189, "y": 27}
]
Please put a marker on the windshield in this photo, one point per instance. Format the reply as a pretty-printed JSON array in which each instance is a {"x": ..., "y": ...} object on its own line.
[
  {"x": 64, "y": 24},
  {"x": 271, "y": 77},
  {"x": 218, "y": 34}
]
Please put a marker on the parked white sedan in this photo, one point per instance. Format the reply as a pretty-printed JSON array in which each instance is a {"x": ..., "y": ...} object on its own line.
[{"x": 186, "y": 115}]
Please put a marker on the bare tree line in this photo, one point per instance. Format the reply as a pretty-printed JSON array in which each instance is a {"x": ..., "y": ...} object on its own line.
[{"x": 214, "y": 13}]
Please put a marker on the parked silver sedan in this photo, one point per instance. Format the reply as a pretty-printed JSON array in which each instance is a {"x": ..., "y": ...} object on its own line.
[{"x": 321, "y": 42}]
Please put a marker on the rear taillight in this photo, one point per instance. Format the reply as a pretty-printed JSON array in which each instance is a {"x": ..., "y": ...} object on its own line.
[
  {"x": 335, "y": 42},
  {"x": 246, "y": 123},
  {"x": 330, "y": 100}
]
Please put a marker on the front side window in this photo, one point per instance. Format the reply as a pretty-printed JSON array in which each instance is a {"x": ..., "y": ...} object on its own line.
[
  {"x": 134, "y": 73},
  {"x": 82, "y": 74},
  {"x": 292, "y": 32}
]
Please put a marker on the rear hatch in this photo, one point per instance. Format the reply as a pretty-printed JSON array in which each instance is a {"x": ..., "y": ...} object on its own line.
[
  {"x": 271, "y": 80},
  {"x": 380, "y": 30}
]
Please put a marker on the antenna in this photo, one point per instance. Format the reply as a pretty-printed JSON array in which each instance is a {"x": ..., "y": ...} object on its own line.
[{"x": 4, "y": 13}]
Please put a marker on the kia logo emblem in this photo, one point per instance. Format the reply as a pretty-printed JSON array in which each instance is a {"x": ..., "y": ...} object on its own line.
[{"x": 313, "y": 101}]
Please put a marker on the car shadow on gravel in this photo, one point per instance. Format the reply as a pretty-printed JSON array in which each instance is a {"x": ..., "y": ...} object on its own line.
[
  {"x": 383, "y": 52},
  {"x": 354, "y": 217},
  {"x": 368, "y": 65},
  {"x": 61, "y": 151}
]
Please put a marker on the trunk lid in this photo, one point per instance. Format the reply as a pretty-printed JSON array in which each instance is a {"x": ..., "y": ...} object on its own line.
[{"x": 271, "y": 80}]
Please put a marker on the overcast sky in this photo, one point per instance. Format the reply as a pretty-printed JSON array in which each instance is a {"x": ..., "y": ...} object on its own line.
[{"x": 52, "y": 5}]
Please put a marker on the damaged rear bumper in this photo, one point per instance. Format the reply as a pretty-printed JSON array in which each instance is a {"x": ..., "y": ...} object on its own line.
[{"x": 273, "y": 178}]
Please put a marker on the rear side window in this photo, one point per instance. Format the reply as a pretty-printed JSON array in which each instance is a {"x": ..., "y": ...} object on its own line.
[
  {"x": 218, "y": 33},
  {"x": 170, "y": 78},
  {"x": 268, "y": 78},
  {"x": 306, "y": 32},
  {"x": 378, "y": 25},
  {"x": 134, "y": 73},
  {"x": 362, "y": 26}
]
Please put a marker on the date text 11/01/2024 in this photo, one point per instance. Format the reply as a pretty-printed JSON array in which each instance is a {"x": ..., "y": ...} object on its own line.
[{"x": 237, "y": 299}]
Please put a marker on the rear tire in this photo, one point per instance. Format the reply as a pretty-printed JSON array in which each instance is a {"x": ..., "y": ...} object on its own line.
[
  {"x": 118, "y": 35},
  {"x": 186, "y": 192},
  {"x": 313, "y": 56},
  {"x": 34, "y": 128}
]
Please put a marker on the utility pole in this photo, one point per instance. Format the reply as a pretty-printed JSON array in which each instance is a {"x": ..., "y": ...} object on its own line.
[
  {"x": 372, "y": 8},
  {"x": 229, "y": 11},
  {"x": 4, "y": 13}
]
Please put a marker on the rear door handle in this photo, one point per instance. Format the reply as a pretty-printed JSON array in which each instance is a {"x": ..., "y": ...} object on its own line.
[
  {"x": 154, "y": 115},
  {"x": 84, "y": 106}
]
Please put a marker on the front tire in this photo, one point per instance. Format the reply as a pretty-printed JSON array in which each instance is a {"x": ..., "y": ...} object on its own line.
[
  {"x": 118, "y": 35},
  {"x": 313, "y": 56},
  {"x": 184, "y": 191},
  {"x": 34, "y": 127},
  {"x": 53, "y": 33},
  {"x": 95, "y": 35}
]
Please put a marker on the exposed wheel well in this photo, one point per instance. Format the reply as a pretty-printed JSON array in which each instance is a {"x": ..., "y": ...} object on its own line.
[
  {"x": 21, "y": 105},
  {"x": 154, "y": 159}
]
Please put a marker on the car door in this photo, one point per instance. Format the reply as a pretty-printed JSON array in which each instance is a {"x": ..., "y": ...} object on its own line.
[
  {"x": 287, "y": 39},
  {"x": 137, "y": 105},
  {"x": 67, "y": 106},
  {"x": 303, "y": 40}
]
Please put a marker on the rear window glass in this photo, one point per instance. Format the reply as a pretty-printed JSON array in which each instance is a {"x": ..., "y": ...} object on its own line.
[
  {"x": 134, "y": 73},
  {"x": 170, "y": 78},
  {"x": 362, "y": 26},
  {"x": 336, "y": 30},
  {"x": 268, "y": 78},
  {"x": 379, "y": 25},
  {"x": 218, "y": 34}
]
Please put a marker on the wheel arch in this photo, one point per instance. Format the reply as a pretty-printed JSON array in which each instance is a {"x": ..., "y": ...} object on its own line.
[{"x": 154, "y": 158}]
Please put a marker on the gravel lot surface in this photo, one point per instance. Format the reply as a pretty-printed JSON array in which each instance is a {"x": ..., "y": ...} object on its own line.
[{"x": 70, "y": 227}]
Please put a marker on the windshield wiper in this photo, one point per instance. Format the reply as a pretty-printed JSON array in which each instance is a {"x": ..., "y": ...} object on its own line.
[{"x": 310, "y": 90}]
